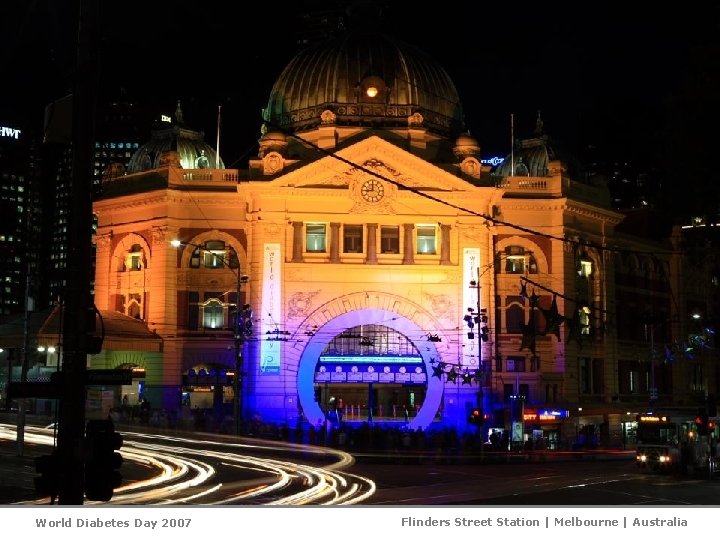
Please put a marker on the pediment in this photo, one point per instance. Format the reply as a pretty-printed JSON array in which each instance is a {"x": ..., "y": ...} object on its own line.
[{"x": 370, "y": 157}]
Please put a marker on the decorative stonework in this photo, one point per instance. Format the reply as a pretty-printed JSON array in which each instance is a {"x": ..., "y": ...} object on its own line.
[
  {"x": 415, "y": 120},
  {"x": 103, "y": 241},
  {"x": 471, "y": 167},
  {"x": 272, "y": 229},
  {"x": 273, "y": 163},
  {"x": 300, "y": 304},
  {"x": 328, "y": 117},
  {"x": 160, "y": 235},
  {"x": 442, "y": 304}
]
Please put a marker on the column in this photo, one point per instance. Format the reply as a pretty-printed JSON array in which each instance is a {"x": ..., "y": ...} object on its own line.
[
  {"x": 371, "y": 257},
  {"x": 297, "y": 256},
  {"x": 334, "y": 242},
  {"x": 444, "y": 244},
  {"x": 409, "y": 248}
]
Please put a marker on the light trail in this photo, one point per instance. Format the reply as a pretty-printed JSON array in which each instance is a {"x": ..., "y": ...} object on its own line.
[{"x": 185, "y": 472}]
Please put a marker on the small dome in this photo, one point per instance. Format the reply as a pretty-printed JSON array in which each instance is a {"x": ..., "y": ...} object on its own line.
[
  {"x": 532, "y": 157},
  {"x": 364, "y": 78},
  {"x": 465, "y": 145},
  {"x": 273, "y": 141},
  {"x": 192, "y": 150}
]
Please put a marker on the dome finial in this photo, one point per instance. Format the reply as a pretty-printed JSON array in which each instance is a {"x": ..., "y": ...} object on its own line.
[
  {"x": 539, "y": 124},
  {"x": 179, "y": 114},
  {"x": 363, "y": 12}
]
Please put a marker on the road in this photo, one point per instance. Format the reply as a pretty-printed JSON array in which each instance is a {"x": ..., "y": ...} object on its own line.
[
  {"x": 164, "y": 469},
  {"x": 161, "y": 468},
  {"x": 563, "y": 483}
]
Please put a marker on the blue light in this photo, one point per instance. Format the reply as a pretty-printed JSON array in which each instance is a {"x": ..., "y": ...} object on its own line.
[{"x": 371, "y": 360}]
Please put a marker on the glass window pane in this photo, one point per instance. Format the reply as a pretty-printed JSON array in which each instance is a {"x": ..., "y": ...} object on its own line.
[
  {"x": 426, "y": 240},
  {"x": 315, "y": 237},
  {"x": 390, "y": 239},
  {"x": 352, "y": 239}
]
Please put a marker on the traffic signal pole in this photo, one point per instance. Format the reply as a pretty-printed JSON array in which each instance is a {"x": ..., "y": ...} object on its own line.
[{"x": 78, "y": 314}]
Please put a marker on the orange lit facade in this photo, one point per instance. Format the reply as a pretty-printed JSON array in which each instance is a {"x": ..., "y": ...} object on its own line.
[{"x": 391, "y": 277}]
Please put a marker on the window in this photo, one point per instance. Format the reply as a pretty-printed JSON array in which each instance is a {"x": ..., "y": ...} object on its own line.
[
  {"x": 389, "y": 239},
  {"x": 516, "y": 363},
  {"x": 214, "y": 254},
  {"x": 134, "y": 306},
  {"x": 585, "y": 320},
  {"x": 315, "y": 237},
  {"x": 515, "y": 260},
  {"x": 352, "y": 238},
  {"x": 213, "y": 312},
  {"x": 585, "y": 268},
  {"x": 586, "y": 376},
  {"x": 514, "y": 319},
  {"x": 426, "y": 240},
  {"x": 134, "y": 259},
  {"x": 633, "y": 382}
]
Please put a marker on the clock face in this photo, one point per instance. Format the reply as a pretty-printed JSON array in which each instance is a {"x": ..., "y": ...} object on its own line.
[{"x": 372, "y": 190}]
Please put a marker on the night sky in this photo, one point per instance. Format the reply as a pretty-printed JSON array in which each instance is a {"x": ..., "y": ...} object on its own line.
[{"x": 641, "y": 86}]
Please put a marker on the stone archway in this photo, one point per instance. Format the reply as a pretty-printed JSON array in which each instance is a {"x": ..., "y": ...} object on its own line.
[{"x": 364, "y": 315}]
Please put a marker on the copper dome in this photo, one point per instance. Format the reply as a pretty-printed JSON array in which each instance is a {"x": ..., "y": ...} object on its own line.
[
  {"x": 187, "y": 147},
  {"x": 364, "y": 78}
]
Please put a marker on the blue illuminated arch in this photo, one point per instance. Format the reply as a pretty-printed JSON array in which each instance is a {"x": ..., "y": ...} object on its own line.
[{"x": 318, "y": 342}]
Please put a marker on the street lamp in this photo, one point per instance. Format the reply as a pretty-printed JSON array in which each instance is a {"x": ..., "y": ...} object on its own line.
[{"x": 240, "y": 330}]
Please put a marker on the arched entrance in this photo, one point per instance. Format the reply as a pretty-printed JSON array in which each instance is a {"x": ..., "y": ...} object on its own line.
[{"x": 424, "y": 354}]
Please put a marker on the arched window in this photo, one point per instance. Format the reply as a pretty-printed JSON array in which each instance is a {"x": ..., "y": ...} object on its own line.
[
  {"x": 213, "y": 314},
  {"x": 134, "y": 306},
  {"x": 134, "y": 259},
  {"x": 517, "y": 261},
  {"x": 514, "y": 319},
  {"x": 214, "y": 254}
]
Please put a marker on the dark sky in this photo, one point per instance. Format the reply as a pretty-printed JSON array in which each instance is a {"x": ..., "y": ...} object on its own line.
[{"x": 642, "y": 85}]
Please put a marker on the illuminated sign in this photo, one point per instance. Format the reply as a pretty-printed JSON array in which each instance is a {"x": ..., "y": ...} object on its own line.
[
  {"x": 165, "y": 118},
  {"x": 9, "y": 132},
  {"x": 555, "y": 413},
  {"x": 652, "y": 418},
  {"x": 492, "y": 161},
  {"x": 548, "y": 415},
  {"x": 340, "y": 370},
  {"x": 471, "y": 298},
  {"x": 271, "y": 305}
]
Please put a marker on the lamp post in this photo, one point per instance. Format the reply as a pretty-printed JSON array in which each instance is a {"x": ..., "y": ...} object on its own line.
[{"x": 239, "y": 331}]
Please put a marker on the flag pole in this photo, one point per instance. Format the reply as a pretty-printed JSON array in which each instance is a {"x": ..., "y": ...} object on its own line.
[{"x": 217, "y": 143}]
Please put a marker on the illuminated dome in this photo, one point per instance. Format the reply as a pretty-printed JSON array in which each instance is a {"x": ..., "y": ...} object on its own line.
[
  {"x": 175, "y": 144},
  {"x": 364, "y": 78}
]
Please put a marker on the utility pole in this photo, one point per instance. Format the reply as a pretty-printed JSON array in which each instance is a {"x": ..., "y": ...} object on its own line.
[
  {"x": 79, "y": 313},
  {"x": 240, "y": 333}
]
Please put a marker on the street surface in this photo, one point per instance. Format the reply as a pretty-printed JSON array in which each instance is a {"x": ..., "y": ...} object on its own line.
[{"x": 165, "y": 468}]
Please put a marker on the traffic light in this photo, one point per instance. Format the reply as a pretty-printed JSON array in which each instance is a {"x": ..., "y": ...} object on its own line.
[
  {"x": 101, "y": 475},
  {"x": 247, "y": 323},
  {"x": 476, "y": 417},
  {"x": 48, "y": 483},
  {"x": 702, "y": 422}
]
